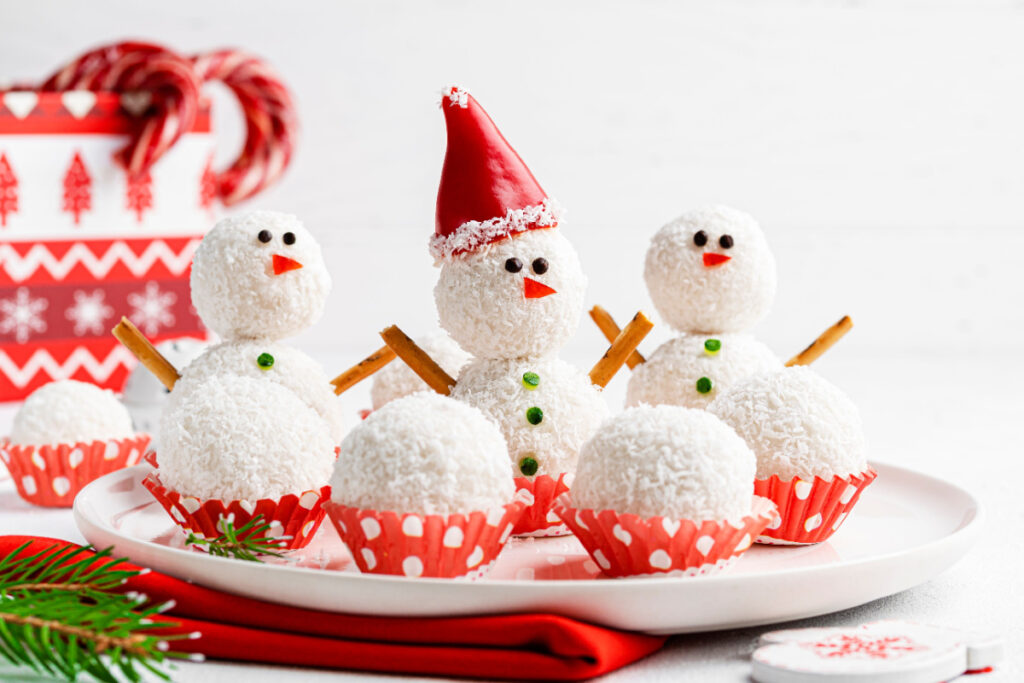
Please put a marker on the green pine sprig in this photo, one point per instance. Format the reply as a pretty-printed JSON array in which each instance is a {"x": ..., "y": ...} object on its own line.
[
  {"x": 59, "y": 617},
  {"x": 248, "y": 542}
]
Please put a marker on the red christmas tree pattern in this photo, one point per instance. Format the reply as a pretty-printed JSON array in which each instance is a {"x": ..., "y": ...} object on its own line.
[
  {"x": 8, "y": 190},
  {"x": 208, "y": 185},
  {"x": 139, "y": 195},
  {"x": 77, "y": 188}
]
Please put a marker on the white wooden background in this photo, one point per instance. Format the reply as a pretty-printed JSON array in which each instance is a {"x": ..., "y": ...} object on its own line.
[{"x": 879, "y": 143}]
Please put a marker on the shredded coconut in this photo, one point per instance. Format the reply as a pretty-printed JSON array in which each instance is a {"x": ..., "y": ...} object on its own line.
[
  {"x": 457, "y": 96},
  {"x": 572, "y": 408},
  {"x": 68, "y": 412},
  {"x": 426, "y": 454},
  {"x": 234, "y": 287},
  {"x": 483, "y": 307},
  {"x": 472, "y": 235},
  {"x": 797, "y": 423},
  {"x": 676, "y": 462},
  {"x": 233, "y": 437},
  {"x": 396, "y": 379},
  {"x": 670, "y": 374},
  {"x": 730, "y": 297}
]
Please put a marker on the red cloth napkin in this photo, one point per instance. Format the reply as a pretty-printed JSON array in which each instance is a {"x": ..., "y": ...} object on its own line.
[{"x": 518, "y": 646}]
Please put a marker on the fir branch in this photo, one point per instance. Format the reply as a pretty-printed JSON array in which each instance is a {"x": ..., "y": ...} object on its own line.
[
  {"x": 59, "y": 618},
  {"x": 248, "y": 542}
]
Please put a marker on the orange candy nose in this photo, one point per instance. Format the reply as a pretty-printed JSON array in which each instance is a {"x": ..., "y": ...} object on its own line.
[
  {"x": 713, "y": 259},
  {"x": 535, "y": 290},
  {"x": 282, "y": 264}
]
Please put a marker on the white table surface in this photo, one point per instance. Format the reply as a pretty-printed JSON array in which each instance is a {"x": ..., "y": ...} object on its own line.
[{"x": 953, "y": 417}]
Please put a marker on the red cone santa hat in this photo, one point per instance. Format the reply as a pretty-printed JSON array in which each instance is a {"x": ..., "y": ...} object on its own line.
[{"x": 487, "y": 193}]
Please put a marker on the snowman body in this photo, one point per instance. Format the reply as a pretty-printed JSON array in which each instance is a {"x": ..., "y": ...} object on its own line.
[
  {"x": 252, "y": 417},
  {"x": 711, "y": 277},
  {"x": 692, "y": 369},
  {"x": 546, "y": 409}
]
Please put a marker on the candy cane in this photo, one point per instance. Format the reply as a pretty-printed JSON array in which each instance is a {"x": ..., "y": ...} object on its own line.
[
  {"x": 271, "y": 123},
  {"x": 173, "y": 85}
]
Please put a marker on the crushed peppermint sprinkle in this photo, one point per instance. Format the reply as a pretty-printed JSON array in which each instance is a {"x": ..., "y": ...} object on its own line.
[{"x": 472, "y": 235}]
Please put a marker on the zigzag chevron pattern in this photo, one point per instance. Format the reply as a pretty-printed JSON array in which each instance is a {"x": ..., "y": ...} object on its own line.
[
  {"x": 20, "y": 268},
  {"x": 80, "y": 358}
]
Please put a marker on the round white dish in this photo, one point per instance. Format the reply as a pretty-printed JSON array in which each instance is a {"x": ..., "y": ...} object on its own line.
[{"x": 907, "y": 528}]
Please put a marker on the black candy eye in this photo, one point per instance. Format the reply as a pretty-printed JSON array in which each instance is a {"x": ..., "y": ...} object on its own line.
[
  {"x": 725, "y": 241},
  {"x": 264, "y": 236},
  {"x": 288, "y": 238},
  {"x": 513, "y": 265},
  {"x": 540, "y": 266},
  {"x": 700, "y": 238}
]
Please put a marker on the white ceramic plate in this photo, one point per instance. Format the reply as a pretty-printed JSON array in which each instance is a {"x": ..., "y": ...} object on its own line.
[{"x": 907, "y": 528}]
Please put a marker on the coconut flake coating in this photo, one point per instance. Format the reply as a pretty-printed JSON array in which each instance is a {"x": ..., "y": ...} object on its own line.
[
  {"x": 144, "y": 395},
  {"x": 68, "y": 412},
  {"x": 679, "y": 463},
  {"x": 426, "y": 454},
  {"x": 572, "y": 408},
  {"x": 482, "y": 305},
  {"x": 232, "y": 437},
  {"x": 234, "y": 287},
  {"x": 729, "y": 297},
  {"x": 797, "y": 423},
  {"x": 670, "y": 375},
  {"x": 396, "y": 379},
  {"x": 292, "y": 369}
]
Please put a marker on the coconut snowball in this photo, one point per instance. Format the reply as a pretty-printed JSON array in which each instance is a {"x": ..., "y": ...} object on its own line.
[
  {"x": 144, "y": 395},
  {"x": 572, "y": 408},
  {"x": 671, "y": 373},
  {"x": 483, "y": 307},
  {"x": 676, "y": 462},
  {"x": 426, "y": 454},
  {"x": 397, "y": 379},
  {"x": 291, "y": 369},
  {"x": 797, "y": 423},
  {"x": 70, "y": 412},
  {"x": 234, "y": 287},
  {"x": 241, "y": 438},
  {"x": 728, "y": 297}
]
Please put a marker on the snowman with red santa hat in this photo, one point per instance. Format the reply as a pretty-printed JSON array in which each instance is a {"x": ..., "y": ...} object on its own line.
[{"x": 510, "y": 292}]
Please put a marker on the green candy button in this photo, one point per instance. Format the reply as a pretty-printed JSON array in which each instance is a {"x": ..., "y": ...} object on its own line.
[
  {"x": 531, "y": 380},
  {"x": 534, "y": 415},
  {"x": 703, "y": 385},
  {"x": 265, "y": 361},
  {"x": 528, "y": 466},
  {"x": 712, "y": 346}
]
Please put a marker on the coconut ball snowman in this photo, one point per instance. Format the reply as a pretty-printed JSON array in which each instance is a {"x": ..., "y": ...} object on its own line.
[
  {"x": 252, "y": 417},
  {"x": 711, "y": 277},
  {"x": 510, "y": 292}
]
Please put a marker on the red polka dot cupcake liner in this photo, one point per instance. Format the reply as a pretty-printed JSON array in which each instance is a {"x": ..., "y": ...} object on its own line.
[
  {"x": 630, "y": 545},
  {"x": 293, "y": 518},
  {"x": 438, "y": 546},
  {"x": 809, "y": 511},
  {"x": 540, "y": 494},
  {"x": 52, "y": 475}
]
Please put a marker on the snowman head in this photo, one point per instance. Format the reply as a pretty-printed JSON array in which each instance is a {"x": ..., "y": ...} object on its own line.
[
  {"x": 510, "y": 284},
  {"x": 522, "y": 296},
  {"x": 710, "y": 270},
  {"x": 259, "y": 276}
]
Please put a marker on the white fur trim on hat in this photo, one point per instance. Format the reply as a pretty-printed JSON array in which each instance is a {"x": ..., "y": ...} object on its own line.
[{"x": 472, "y": 235}]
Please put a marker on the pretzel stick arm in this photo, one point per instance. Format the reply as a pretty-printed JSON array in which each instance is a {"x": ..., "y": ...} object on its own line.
[
  {"x": 363, "y": 369},
  {"x": 418, "y": 360},
  {"x": 822, "y": 344},
  {"x": 610, "y": 329},
  {"x": 624, "y": 344},
  {"x": 147, "y": 354}
]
